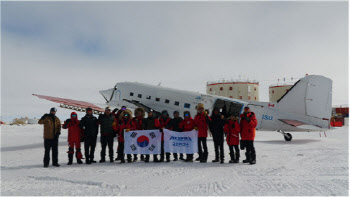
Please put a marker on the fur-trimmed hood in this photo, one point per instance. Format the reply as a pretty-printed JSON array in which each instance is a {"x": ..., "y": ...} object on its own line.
[
  {"x": 123, "y": 113},
  {"x": 140, "y": 109}
]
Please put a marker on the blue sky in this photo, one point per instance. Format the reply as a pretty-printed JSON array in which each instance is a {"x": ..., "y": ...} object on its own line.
[{"x": 75, "y": 49}]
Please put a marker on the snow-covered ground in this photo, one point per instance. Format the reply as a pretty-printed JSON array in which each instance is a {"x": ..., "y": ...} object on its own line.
[{"x": 308, "y": 165}]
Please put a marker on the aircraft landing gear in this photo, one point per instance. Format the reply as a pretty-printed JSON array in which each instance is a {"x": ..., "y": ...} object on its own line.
[{"x": 287, "y": 136}]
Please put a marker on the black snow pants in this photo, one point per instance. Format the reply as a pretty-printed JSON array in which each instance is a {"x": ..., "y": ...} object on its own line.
[
  {"x": 203, "y": 154},
  {"x": 219, "y": 146},
  {"x": 89, "y": 147},
  {"x": 48, "y": 144},
  {"x": 107, "y": 140},
  {"x": 250, "y": 150}
]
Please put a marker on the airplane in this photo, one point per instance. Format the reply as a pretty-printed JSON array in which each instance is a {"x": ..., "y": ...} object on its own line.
[{"x": 305, "y": 107}]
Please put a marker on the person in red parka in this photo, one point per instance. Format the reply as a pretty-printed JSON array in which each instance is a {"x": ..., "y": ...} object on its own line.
[
  {"x": 137, "y": 120},
  {"x": 232, "y": 130},
  {"x": 201, "y": 122},
  {"x": 163, "y": 123},
  {"x": 74, "y": 137},
  {"x": 187, "y": 125},
  {"x": 125, "y": 125},
  {"x": 248, "y": 124}
]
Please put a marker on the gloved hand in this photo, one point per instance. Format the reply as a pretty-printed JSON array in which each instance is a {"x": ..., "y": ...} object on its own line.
[
  {"x": 57, "y": 134},
  {"x": 242, "y": 145},
  {"x": 196, "y": 128},
  {"x": 233, "y": 125},
  {"x": 247, "y": 119},
  {"x": 205, "y": 113}
]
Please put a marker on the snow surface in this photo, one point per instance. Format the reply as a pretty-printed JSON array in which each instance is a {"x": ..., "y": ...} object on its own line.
[{"x": 308, "y": 165}]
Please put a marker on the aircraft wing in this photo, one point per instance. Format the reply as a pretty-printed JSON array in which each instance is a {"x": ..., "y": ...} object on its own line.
[
  {"x": 72, "y": 104},
  {"x": 300, "y": 124}
]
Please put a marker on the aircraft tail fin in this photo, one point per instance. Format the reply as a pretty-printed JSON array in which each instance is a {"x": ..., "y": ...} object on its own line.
[{"x": 310, "y": 96}]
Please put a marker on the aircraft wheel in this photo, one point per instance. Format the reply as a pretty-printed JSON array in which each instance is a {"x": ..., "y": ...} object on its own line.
[{"x": 288, "y": 137}]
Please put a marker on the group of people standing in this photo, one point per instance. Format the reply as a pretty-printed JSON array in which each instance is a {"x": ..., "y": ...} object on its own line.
[{"x": 238, "y": 131}]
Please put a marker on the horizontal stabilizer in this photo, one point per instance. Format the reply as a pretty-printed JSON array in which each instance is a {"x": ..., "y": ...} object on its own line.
[{"x": 299, "y": 124}]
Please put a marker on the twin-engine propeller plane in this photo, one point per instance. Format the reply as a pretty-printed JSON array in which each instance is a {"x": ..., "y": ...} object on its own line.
[{"x": 305, "y": 107}]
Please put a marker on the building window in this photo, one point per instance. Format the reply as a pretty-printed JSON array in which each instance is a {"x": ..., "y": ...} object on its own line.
[
  {"x": 255, "y": 89},
  {"x": 231, "y": 96},
  {"x": 230, "y": 88},
  {"x": 187, "y": 105},
  {"x": 177, "y": 103},
  {"x": 167, "y": 101},
  {"x": 158, "y": 99},
  {"x": 139, "y": 95},
  {"x": 287, "y": 90},
  {"x": 255, "y": 98},
  {"x": 131, "y": 94},
  {"x": 148, "y": 97},
  {"x": 248, "y": 97},
  {"x": 221, "y": 88},
  {"x": 273, "y": 91},
  {"x": 240, "y": 97},
  {"x": 210, "y": 89}
]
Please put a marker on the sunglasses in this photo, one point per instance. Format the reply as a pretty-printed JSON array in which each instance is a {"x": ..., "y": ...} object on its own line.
[
  {"x": 123, "y": 108},
  {"x": 74, "y": 115},
  {"x": 186, "y": 114},
  {"x": 126, "y": 115}
]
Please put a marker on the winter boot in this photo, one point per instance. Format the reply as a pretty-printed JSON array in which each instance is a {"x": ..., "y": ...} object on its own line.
[
  {"x": 236, "y": 158},
  {"x": 70, "y": 156},
  {"x": 142, "y": 158},
  {"x": 168, "y": 157},
  {"x": 122, "y": 160},
  {"x": 135, "y": 157},
  {"x": 56, "y": 165},
  {"x": 253, "y": 159},
  {"x": 247, "y": 160},
  {"x": 204, "y": 158},
  {"x": 111, "y": 160},
  {"x": 130, "y": 160},
  {"x": 46, "y": 165},
  {"x": 102, "y": 160},
  {"x": 222, "y": 161},
  {"x": 88, "y": 161},
  {"x": 92, "y": 160},
  {"x": 181, "y": 157},
  {"x": 79, "y": 156},
  {"x": 155, "y": 158},
  {"x": 147, "y": 158},
  {"x": 215, "y": 160},
  {"x": 199, "y": 157}
]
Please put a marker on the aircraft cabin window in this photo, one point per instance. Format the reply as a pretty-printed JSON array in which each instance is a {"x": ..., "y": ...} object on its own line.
[
  {"x": 140, "y": 95},
  {"x": 167, "y": 101},
  {"x": 177, "y": 103},
  {"x": 148, "y": 97},
  {"x": 157, "y": 99},
  {"x": 187, "y": 105},
  {"x": 131, "y": 94}
]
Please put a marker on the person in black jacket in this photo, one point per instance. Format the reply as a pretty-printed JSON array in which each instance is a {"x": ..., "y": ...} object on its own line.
[
  {"x": 108, "y": 132},
  {"x": 216, "y": 128},
  {"x": 89, "y": 124},
  {"x": 174, "y": 125},
  {"x": 150, "y": 123}
]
